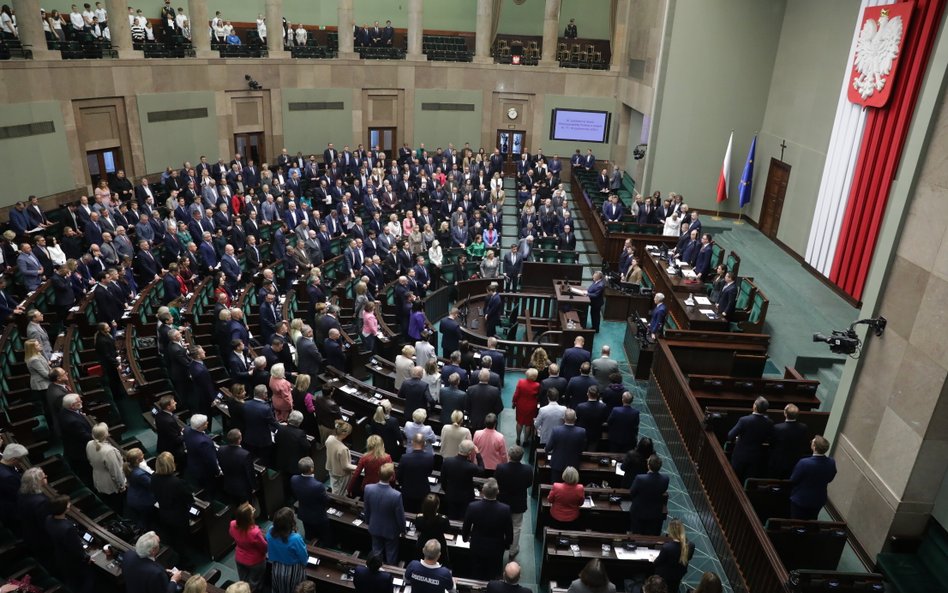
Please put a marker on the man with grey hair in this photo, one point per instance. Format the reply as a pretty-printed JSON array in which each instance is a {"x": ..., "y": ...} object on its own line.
[
  {"x": 290, "y": 444},
  {"x": 427, "y": 575},
  {"x": 142, "y": 572},
  {"x": 10, "y": 481},
  {"x": 310, "y": 361},
  {"x": 483, "y": 399},
  {"x": 76, "y": 433},
  {"x": 202, "y": 454},
  {"x": 488, "y": 526},
  {"x": 656, "y": 324},
  {"x": 311, "y": 494},
  {"x": 35, "y": 331},
  {"x": 457, "y": 479},
  {"x": 237, "y": 471}
]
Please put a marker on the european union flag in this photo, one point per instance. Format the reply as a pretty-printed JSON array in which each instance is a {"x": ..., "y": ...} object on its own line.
[{"x": 747, "y": 177}]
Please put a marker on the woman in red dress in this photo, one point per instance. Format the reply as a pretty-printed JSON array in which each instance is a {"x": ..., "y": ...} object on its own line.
[
  {"x": 525, "y": 403},
  {"x": 371, "y": 464}
]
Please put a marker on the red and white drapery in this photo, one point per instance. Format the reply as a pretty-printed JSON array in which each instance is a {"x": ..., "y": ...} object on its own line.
[{"x": 863, "y": 156}]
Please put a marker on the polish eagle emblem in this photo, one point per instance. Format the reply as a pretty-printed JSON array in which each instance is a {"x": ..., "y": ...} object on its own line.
[{"x": 876, "y": 50}]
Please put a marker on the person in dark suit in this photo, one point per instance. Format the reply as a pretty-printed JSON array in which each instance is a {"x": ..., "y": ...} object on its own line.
[
  {"x": 727, "y": 301},
  {"x": 648, "y": 499},
  {"x": 656, "y": 325},
  {"x": 236, "y": 363},
  {"x": 566, "y": 445},
  {"x": 672, "y": 561},
  {"x": 623, "y": 425},
  {"x": 513, "y": 267},
  {"x": 553, "y": 381},
  {"x": 749, "y": 436},
  {"x": 493, "y": 309},
  {"x": 415, "y": 392},
  {"x": 457, "y": 479},
  {"x": 108, "y": 309},
  {"x": 577, "y": 389},
  {"x": 483, "y": 399},
  {"x": 70, "y": 561},
  {"x": 384, "y": 514},
  {"x": 269, "y": 316},
  {"x": 202, "y": 385},
  {"x": 514, "y": 479},
  {"x": 169, "y": 429},
  {"x": 260, "y": 425},
  {"x": 310, "y": 360},
  {"x": 236, "y": 466},
  {"x": 32, "y": 506},
  {"x": 790, "y": 443},
  {"x": 703, "y": 258},
  {"x": 370, "y": 579},
  {"x": 290, "y": 445},
  {"x": 311, "y": 494},
  {"x": 107, "y": 353},
  {"x": 454, "y": 366},
  {"x": 450, "y": 333},
  {"x": 179, "y": 363},
  {"x": 335, "y": 355},
  {"x": 143, "y": 573},
  {"x": 573, "y": 358},
  {"x": 509, "y": 582},
  {"x": 452, "y": 398},
  {"x": 203, "y": 469},
  {"x": 488, "y": 527},
  {"x": 591, "y": 415},
  {"x": 810, "y": 478},
  {"x": 76, "y": 433},
  {"x": 413, "y": 470}
]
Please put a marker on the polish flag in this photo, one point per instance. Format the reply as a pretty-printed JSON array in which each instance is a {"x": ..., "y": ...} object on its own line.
[{"x": 724, "y": 181}]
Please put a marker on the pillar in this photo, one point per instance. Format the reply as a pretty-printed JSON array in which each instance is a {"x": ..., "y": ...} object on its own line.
[
  {"x": 30, "y": 28},
  {"x": 200, "y": 28},
  {"x": 482, "y": 37},
  {"x": 416, "y": 29},
  {"x": 274, "y": 13},
  {"x": 620, "y": 37},
  {"x": 551, "y": 26},
  {"x": 345, "y": 24}
]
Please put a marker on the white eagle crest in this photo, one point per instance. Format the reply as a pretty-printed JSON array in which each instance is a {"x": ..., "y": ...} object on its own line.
[{"x": 876, "y": 49}]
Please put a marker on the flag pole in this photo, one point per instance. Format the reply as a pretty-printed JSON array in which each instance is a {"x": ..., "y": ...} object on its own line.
[{"x": 739, "y": 214}]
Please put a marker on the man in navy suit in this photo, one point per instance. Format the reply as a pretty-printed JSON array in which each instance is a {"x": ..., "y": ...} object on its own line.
[
  {"x": 311, "y": 494},
  {"x": 694, "y": 224},
  {"x": 335, "y": 355},
  {"x": 260, "y": 424},
  {"x": 648, "y": 499},
  {"x": 413, "y": 471},
  {"x": 202, "y": 454},
  {"x": 751, "y": 433},
  {"x": 612, "y": 210},
  {"x": 236, "y": 364},
  {"x": 143, "y": 573},
  {"x": 384, "y": 514},
  {"x": 231, "y": 268},
  {"x": 202, "y": 385},
  {"x": 727, "y": 301},
  {"x": 207, "y": 254},
  {"x": 623, "y": 425},
  {"x": 492, "y": 310},
  {"x": 589, "y": 161},
  {"x": 415, "y": 392},
  {"x": 566, "y": 445},
  {"x": 690, "y": 253},
  {"x": 488, "y": 526},
  {"x": 510, "y": 583},
  {"x": 591, "y": 415},
  {"x": 514, "y": 480},
  {"x": 450, "y": 333},
  {"x": 236, "y": 466},
  {"x": 810, "y": 478},
  {"x": 573, "y": 359},
  {"x": 269, "y": 316},
  {"x": 497, "y": 363},
  {"x": 703, "y": 259},
  {"x": 76, "y": 433},
  {"x": 789, "y": 444},
  {"x": 578, "y": 387},
  {"x": 596, "y": 292},
  {"x": 657, "y": 324}
]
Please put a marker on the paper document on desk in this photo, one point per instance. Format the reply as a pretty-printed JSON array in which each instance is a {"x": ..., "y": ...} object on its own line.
[
  {"x": 461, "y": 542},
  {"x": 619, "y": 471},
  {"x": 637, "y": 554},
  {"x": 708, "y": 312},
  {"x": 577, "y": 291},
  {"x": 349, "y": 389},
  {"x": 703, "y": 300},
  {"x": 588, "y": 503},
  {"x": 689, "y": 274}
]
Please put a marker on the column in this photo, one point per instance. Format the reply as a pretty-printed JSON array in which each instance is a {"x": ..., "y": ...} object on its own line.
[
  {"x": 346, "y": 45},
  {"x": 482, "y": 38},
  {"x": 274, "y": 14},
  {"x": 200, "y": 28},
  {"x": 119, "y": 29},
  {"x": 620, "y": 37},
  {"x": 30, "y": 28},
  {"x": 551, "y": 26},
  {"x": 416, "y": 29}
]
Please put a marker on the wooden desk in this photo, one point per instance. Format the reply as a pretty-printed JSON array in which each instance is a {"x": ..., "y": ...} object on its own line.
[
  {"x": 536, "y": 276},
  {"x": 589, "y": 468},
  {"x": 562, "y": 563},
  {"x": 684, "y": 316},
  {"x": 609, "y": 512}
]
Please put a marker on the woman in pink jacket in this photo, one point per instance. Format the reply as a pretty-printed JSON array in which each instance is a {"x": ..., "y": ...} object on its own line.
[{"x": 282, "y": 391}]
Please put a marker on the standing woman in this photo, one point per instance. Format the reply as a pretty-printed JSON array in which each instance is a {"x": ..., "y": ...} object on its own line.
[
  {"x": 251, "y": 553},
  {"x": 174, "y": 499},
  {"x": 490, "y": 265},
  {"x": 361, "y": 298},
  {"x": 338, "y": 458},
  {"x": 282, "y": 392},
  {"x": 39, "y": 370},
  {"x": 32, "y": 506},
  {"x": 106, "y": 462},
  {"x": 525, "y": 400},
  {"x": 286, "y": 552},
  {"x": 672, "y": 561},
  {"x": 370, "y": 327},
  {"x": 385, "y": 426},
  {"x": 371, "y": 463},
  {"x": 139, "y": 499},
  {"x": 540, "y": 360},
  {"x": 403, "y": 365},
  {"x": 430, "y": 524},
  {"x": 303, "y": 401}
]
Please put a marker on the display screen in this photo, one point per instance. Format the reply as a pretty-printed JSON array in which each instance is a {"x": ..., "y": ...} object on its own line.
[{"x": 579, "y": 125}]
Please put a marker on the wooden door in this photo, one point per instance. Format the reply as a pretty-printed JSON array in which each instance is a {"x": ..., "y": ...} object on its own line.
[
  {"x": 774, "y": 193},
  {"x": 384, "y": 138},
  {"x": 251, "y": 146}
]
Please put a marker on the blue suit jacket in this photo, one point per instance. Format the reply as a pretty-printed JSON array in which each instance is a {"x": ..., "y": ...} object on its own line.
[
  {"x": 208, "y": 255},
  {"x": 703, "y": 260},
  {"x": 260, "y": 423},
  {"x": 573, "y": 358},
  {"x": 565, "y": 447},
  {"x": 231, "y": 269},
  {"x": 658, "y": 319},
  {"x": 144, "y": 575},
  {"x": 623, "y": 425},
  {"x": 202, "y": 455},
  {"x": 690, "y": 252},
  {"x": 383, "y": 511},
  {"x": 20, "y": 221},
  {"x": 810, "y": 478},
  {"x": 728, "y": 300},
  {"x": 450, "y": 336},
  {"x": 751, "y": 432},
  {"x": 413, "y": 471},
  {"x": 376, "y": 582},
  {"x": 492, "y": 310},
  {"x": 312, "y": 496},
  {"x": 172, "y": 288},
  {"x": 647, "y": 500}
]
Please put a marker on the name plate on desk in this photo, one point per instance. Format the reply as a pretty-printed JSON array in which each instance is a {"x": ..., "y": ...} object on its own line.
[{"x": 312, "y": 561}]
